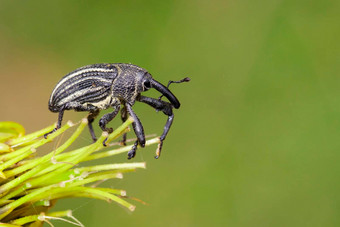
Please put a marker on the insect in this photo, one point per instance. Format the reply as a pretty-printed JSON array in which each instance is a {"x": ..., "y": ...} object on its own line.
[{"x": 101, "y": 86}]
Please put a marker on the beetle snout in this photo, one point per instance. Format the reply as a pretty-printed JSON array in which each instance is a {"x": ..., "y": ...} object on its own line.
[{"x": 166, "y": 92}]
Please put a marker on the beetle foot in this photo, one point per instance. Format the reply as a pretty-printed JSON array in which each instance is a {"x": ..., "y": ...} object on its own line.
[
  {"x": 45, "y": 135},
  {"x": 132, "y": 152},
  {"x": 159, "y": 149},
  {"x": 123, "y": 141},
  {"x": 104, "y": 142},
  {"x": 109, "y": 130}
]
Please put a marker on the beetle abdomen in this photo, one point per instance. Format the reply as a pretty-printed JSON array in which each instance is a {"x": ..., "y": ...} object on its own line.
[{"x": 90, "y": 84}]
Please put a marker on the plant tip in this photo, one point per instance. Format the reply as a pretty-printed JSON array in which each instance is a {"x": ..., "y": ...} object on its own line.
[
  {"x": 105, "y": 134},
  {"x": 132, "y": 208},
  {"x": 46, "y": 203},
  {"x": 41, "y": 217},
  {"x": 69, "y": 213},
  {"x": 70, "y": 123},
  {"x": 53, "y": 160}
]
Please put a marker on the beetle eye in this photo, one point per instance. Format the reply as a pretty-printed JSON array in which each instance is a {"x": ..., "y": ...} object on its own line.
[{"x": 147, "y": 84}]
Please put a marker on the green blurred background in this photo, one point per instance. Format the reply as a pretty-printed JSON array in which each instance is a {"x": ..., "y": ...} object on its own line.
[{"x": 256, "y": 140}]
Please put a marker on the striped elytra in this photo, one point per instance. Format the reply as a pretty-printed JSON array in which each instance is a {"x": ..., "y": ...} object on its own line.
[{"x": 90, "y": 83}]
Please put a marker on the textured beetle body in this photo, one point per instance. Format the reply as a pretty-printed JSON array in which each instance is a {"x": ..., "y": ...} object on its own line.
[{"x": 100, "y": 86}]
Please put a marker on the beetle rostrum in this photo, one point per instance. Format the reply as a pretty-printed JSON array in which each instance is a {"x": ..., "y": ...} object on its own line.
[{"x": 101, "y": 86}]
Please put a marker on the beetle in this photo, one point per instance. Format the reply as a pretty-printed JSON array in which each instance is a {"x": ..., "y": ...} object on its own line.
[{"x": 101, "y": 86}]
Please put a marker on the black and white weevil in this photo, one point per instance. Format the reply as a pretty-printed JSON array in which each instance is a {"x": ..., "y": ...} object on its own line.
[{"x": 100, "y": 86}]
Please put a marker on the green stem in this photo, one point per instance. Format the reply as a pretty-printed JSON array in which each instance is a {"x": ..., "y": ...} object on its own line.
[
  {"x": 111, "y": 167},
  {"x": 37, "y": 144},
  {"x": 95, "y": 178},
  {"x": 25, "y": 220},
  {"x": 120, "y": 130},
  {"x": 61, "y": 192},
  {"x": 20, "y": 141},
  {"x": 49, "y": 156},
  {"x": 4, "y": 211},
  {"x": 119, "y": 150}
]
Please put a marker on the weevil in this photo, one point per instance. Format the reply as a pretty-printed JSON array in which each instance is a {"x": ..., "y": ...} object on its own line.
[{"x": 101, "y": 86}]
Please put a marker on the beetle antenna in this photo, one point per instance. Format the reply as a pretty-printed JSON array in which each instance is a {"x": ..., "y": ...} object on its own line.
[{"x": 186, "y": 79}]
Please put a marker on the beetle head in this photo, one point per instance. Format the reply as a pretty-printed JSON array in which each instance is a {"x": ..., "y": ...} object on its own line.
[{"x": 148, "y": 82}]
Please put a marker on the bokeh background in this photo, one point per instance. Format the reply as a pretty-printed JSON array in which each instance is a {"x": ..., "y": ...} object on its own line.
[{"x": 256, "y": 141}]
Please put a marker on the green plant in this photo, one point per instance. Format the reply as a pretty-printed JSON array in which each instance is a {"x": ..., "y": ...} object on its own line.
[{"x": 31, "y": 184}]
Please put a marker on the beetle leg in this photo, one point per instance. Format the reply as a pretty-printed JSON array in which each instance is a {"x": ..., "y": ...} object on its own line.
[
  {"x": 132, "y": 152},
  {"x": 139, "y": 131},
  {"x": 124, "y": 117},
  {"x": 60, "y": 119},
  {"x": 90, "y": 118},
  {"x": 107, "y": 118},
  {"x": 94, "y": 111},
  {"x": 166, "y": 108}
]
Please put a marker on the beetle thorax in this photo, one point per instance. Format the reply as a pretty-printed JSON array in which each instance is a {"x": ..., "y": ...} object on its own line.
[{"x": 127, "y": 86}]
